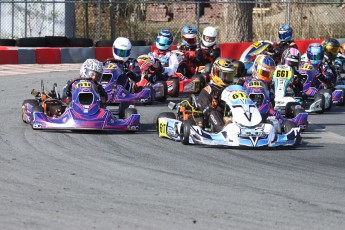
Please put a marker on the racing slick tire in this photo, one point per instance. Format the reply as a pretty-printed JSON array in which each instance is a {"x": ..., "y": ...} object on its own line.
[
  {"x": 122, "y": 107},
  {"x": 290, "y": 108},
  {"x": 151, "y": 95},
  {"x": 319, "y": 96},
  {"x": 129, "y": 112},
  {"x": 32, "y": 102},
  {"x": 165, "y": 114},
  {"x": 164, "y": 98},
  {"x": 202, "y": 83},
  {"x": 185, "y": 131},
  {"x": 176, "y": 87},
  {"x": 288, "y": 125},
  {"x": 343, "y": 94},
  {"x": 330, "y": 102}
]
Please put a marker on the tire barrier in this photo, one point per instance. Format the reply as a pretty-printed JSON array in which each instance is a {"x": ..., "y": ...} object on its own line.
[{"x": 54, "y": 55}]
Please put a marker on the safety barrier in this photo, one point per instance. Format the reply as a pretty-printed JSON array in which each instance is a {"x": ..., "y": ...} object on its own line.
[{"x": 55, "y": 55}]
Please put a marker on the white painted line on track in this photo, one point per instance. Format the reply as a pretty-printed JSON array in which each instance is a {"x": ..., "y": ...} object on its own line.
[{"x": 7, "y": 70}]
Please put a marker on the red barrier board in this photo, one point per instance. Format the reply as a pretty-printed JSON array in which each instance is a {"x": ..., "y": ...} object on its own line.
[
  {"x": 48, "y": 56},
  {"x": 8, "y": 57},
  {"x": 103, "y": 53}
]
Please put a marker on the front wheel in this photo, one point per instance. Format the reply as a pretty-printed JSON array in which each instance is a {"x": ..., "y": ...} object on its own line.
[
  {"x": 288, "y": 126},
  {"x": 322, "y": 99}
]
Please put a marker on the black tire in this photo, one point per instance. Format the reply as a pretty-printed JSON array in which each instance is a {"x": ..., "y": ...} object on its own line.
[
  {"x": 165, "y": 87},
  {"x": 129, "y": 112},
  {"x": 32, "y": 102},
  {"x": 122, "y": 107},
  {"x": 56, "y": 41},
  {"x": 138, "y": 43},
  {"x": 319, "y": 96},
  {"x": 288, "y": 125},
  {"x": 202, "y": 82},
  {"x": 31, "y": 42},
  {"x": 104, "y": 43},
  {"x": 164, "y": 114},
  {"x": 322, "y": 91},
  {"x": 176, "y": 87},
  {"x": 298, "y": 110},
  {"x": 185, "y": 131},
  {"x": 151, "y": 95},
  {"x": 289, "y": 109},
  {"x": 80, "y": 42},
  {"x": 7, "y": 42}
]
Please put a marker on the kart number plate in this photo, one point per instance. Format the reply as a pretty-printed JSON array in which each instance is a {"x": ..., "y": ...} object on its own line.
[
  {"x": 255, "y": 84},
  {"x": 84, "y": 85},
  {"x": 163, "y": 128},
  {"x": 283, "y": 73},
  {"x": 251, "y": 132},
  {"x": 238, "y": 95},
  {"x": 257, "y": 44}
]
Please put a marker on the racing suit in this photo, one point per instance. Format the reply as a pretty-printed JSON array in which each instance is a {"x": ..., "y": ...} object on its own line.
[
  {"x": 208, "y": 102},
  {"x": 168, "y": 61}
]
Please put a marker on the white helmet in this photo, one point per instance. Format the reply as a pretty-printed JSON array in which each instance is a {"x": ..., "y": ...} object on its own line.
[
  {"x": 122, "y": 48},
  {"x": 209, "y": 36},
  {"x": 91, "y": 68}
]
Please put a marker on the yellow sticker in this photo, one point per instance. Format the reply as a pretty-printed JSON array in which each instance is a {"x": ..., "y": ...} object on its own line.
[
  {"x": 112, "y": 66},
  {"x": 283, "y": 73},
  {"x": 257, "y": 44},
  {"x": 238, "y": 95},
  {"x": 255, "y": 84},
  {"x": 83, "y": 85},
  {"x": 162, "y": 126}
]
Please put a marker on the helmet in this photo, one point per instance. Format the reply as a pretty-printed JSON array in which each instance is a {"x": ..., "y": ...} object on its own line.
[
  {"x": 91, "y": 68},
  {"x": 145, "y": 62},
  {"x": 209, "y": 36},
  {"x": 315, "y": 53},
  {"x": 331, "y": 47},
  {"x": 164, "y": 40},
  {"x": 122, "y": 48},
  {"x": 223, "y": 72},
  {"x": 342, "y": 48},
  {"x": 189, "y": 36},
  {"x": 291, "y": 57},
  {"x": 285, "y": 33},
  {"x": 263, "y": 68}
]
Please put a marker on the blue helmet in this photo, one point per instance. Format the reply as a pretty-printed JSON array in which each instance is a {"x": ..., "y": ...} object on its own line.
[
  {"x": 189, "y": 36},
  {"x": 164, "y": 40},
  {"x": 285, "y": 33},
  {"x": 315, "y": 53}
]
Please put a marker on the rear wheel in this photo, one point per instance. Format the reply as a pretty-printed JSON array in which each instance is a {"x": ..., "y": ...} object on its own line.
[
  {"x": 202, "y": 83},
  {"x": 185, "y": 132},
  {"x": 122, "y": 107},
  {"x": 322, "y": 103},
  {"x": 329, "y": 98},
  {"x": 289, "y": 109},
  {"x": 288, "y": 126},
  {"x": 165, "y": 89},
  {"x": 129, "y": 112},
  {"x": 176, "y": 87}
]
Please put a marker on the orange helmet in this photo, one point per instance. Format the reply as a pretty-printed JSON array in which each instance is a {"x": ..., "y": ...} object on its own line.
[{"x": 263, "y": 68}]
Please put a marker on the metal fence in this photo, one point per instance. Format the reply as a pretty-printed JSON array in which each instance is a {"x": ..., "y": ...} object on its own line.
[{"x": 141, "y": 20}]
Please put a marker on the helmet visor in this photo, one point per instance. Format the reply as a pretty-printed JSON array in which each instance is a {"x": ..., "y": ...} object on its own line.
[
  {"x": 209, "y": 39},
  {"x": 331, "y": 50},
  {"x": 265, "y": 73},
  {"x": 315, "y": 57},
  {"x": 190, "y": 40},
  {"x": 291, "y": 63},
  {"x": 227, "y": 77},
  {"x": 122, "y": 53}
]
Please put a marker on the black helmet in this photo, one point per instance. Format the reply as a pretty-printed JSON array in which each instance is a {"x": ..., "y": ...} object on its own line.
[{"x": 331, "y": 47}]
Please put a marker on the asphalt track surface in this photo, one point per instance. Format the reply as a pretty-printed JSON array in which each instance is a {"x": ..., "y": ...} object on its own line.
[{"x": 92, "y": 180}]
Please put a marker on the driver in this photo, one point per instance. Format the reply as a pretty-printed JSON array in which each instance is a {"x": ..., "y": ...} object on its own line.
[
  {"x": 223, "y": 74},
  {"x": 91, "y": 69}
]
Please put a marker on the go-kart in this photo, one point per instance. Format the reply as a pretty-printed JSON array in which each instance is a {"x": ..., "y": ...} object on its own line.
[
  {"x": 178, "y": 83},
  {"x": 85, "y": 112},
  {"x": 245, "y": 129},
  {"x": 260, "y": 95},
  {"x": 305, "y": 90},
  {"x": 117, "y": 93}
]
